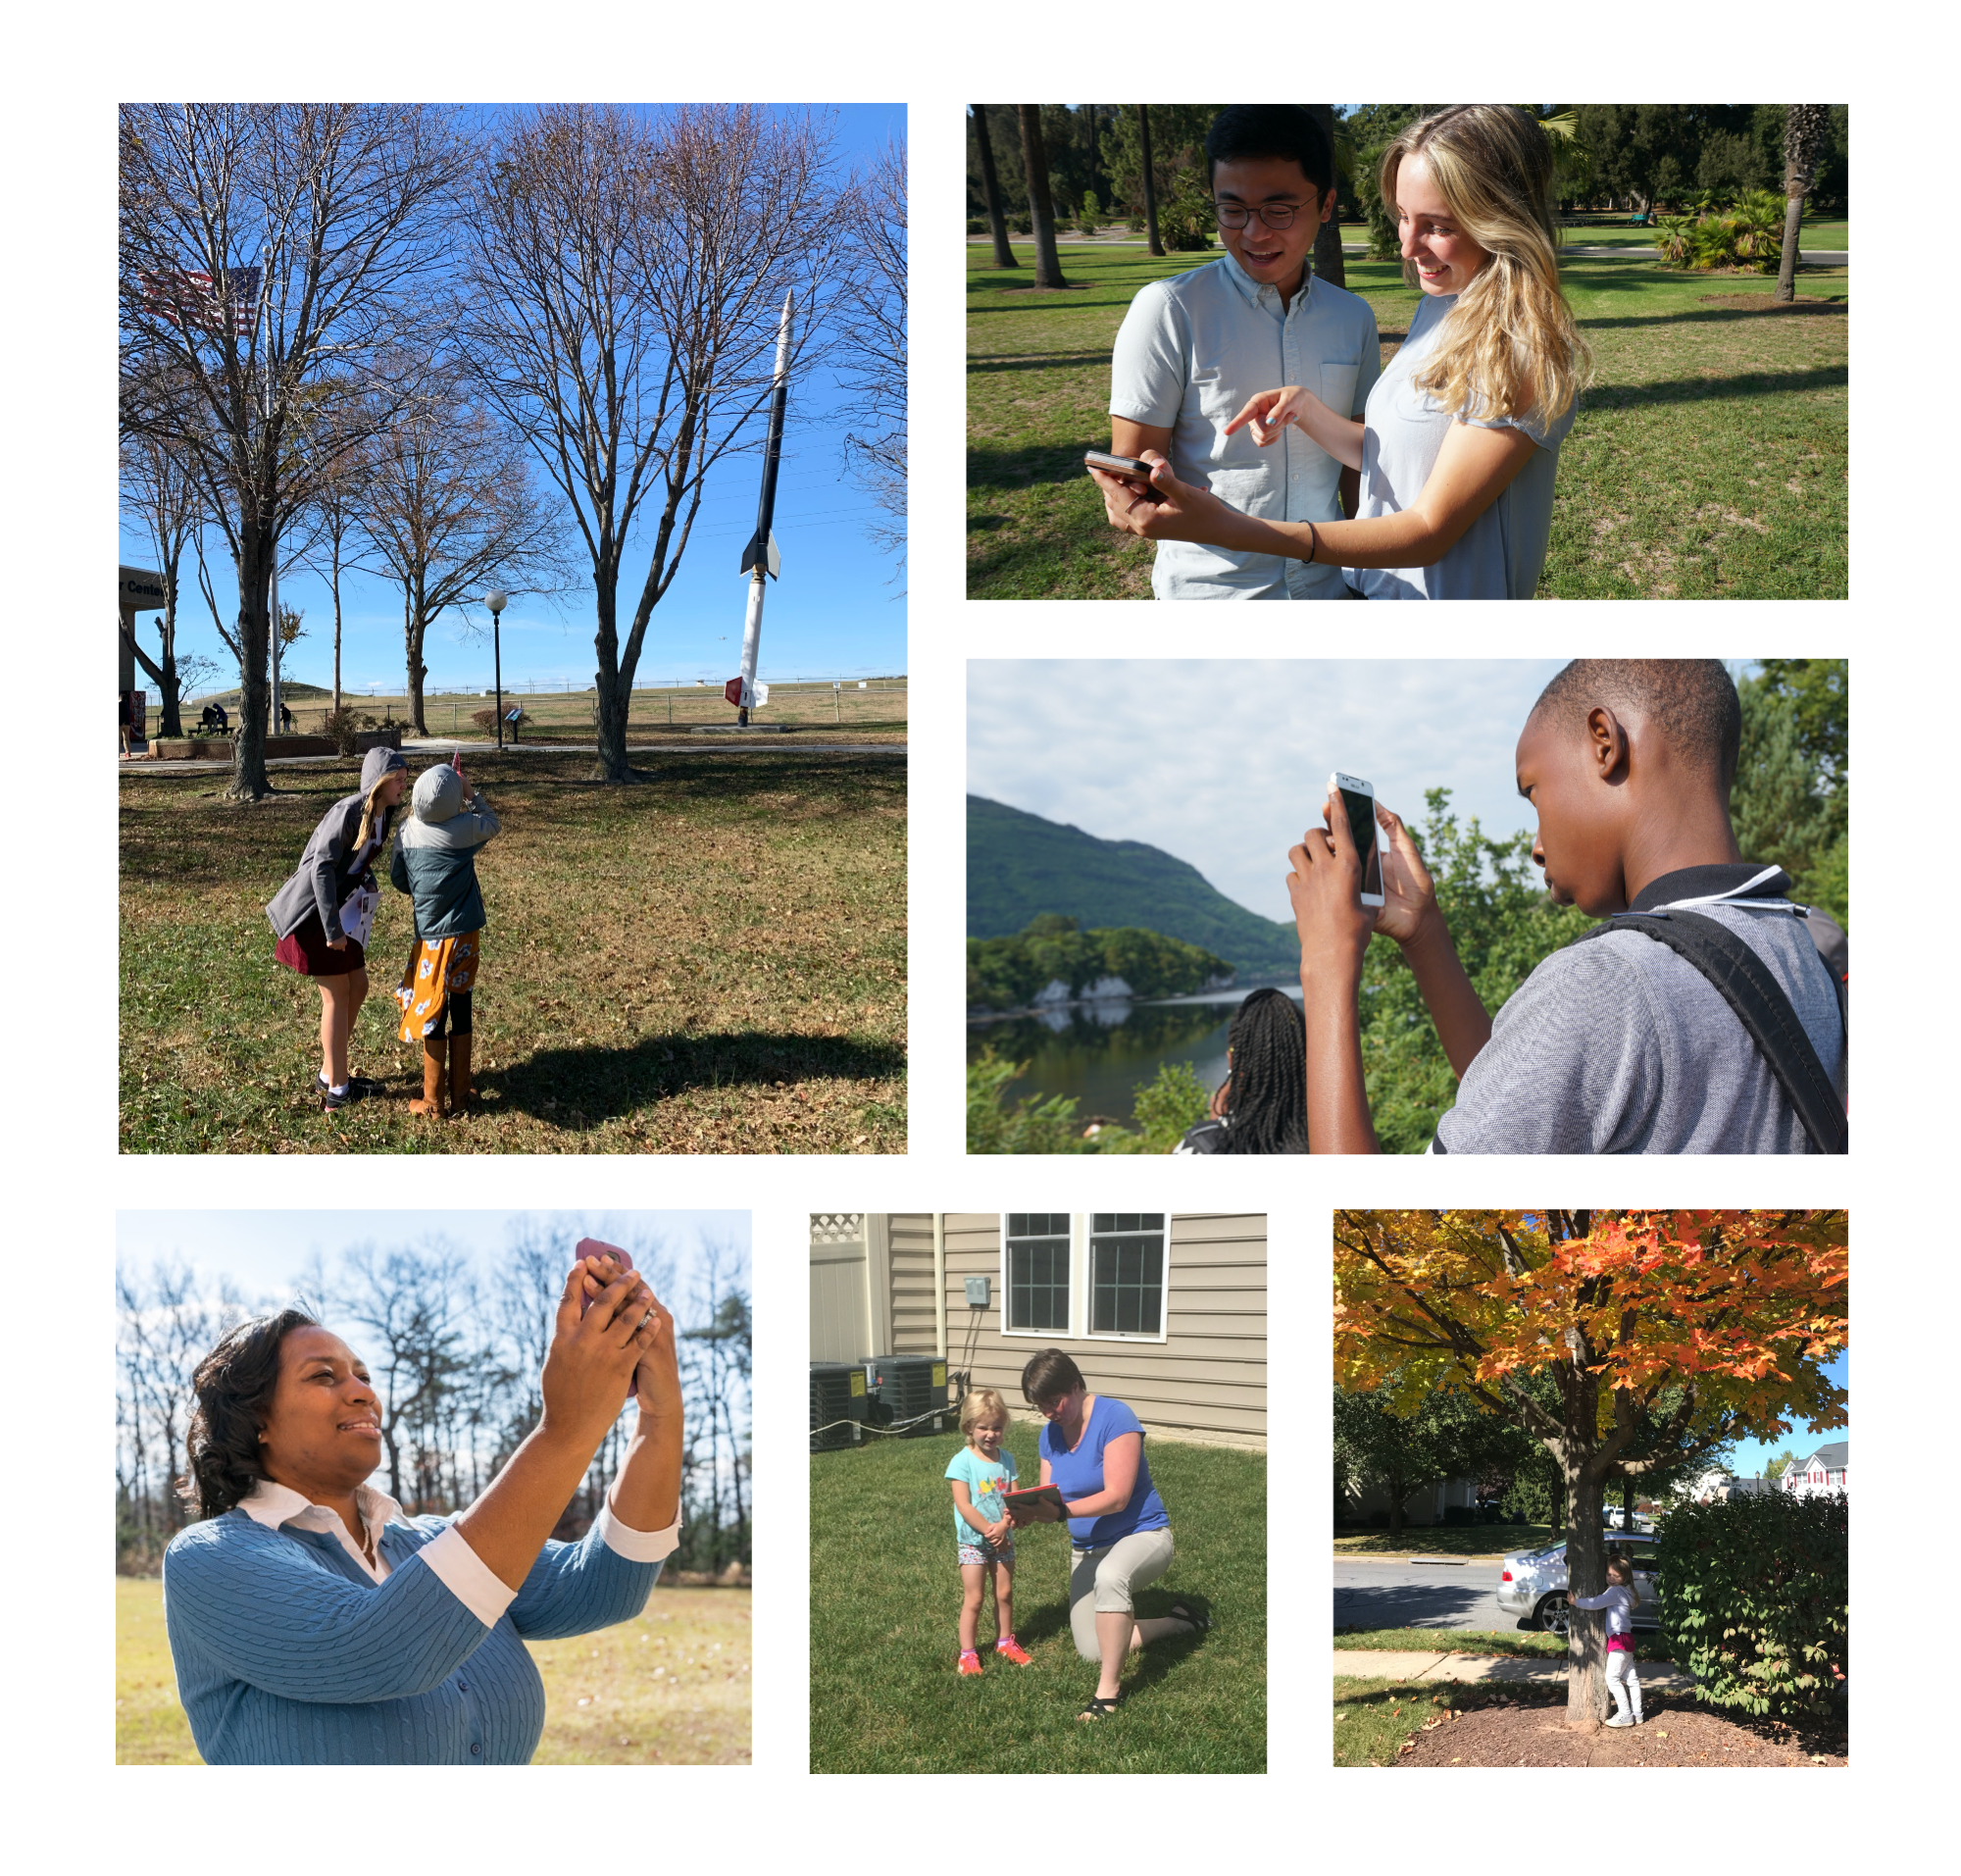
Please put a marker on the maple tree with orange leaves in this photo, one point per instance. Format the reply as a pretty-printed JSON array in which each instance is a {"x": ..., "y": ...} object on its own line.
[{"x": 1734, "y": 1314}]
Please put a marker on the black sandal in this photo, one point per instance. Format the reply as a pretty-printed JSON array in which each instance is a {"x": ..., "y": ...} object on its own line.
[
  {"x": 1098, "y": 1707},
  {"x": 1185, "y": 1612}
]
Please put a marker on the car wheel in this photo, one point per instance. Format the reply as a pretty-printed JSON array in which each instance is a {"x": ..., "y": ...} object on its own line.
[{"x": 1553, "y": 1615}]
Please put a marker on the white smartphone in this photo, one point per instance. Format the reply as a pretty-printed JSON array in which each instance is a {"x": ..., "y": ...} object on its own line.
[{"x": 1358, "y": 803}]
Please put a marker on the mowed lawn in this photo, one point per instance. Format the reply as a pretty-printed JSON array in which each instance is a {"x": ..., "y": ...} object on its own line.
[
  {"x": 1709, "y": 460},
  {"x": 668, "y": 1688},
  {"x": 884, "y": 1612},
  {"x": 711, "y": 961}
]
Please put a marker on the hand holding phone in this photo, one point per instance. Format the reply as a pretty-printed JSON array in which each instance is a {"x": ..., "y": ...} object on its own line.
[
  {"x": 1358, "y": 803},
  {"x": 1134, "y": 468}
]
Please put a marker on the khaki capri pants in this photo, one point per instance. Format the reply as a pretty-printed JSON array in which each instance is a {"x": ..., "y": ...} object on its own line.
[{"x": 1101, "y": 1582}]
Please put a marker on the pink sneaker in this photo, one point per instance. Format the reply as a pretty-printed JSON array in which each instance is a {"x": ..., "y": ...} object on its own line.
[
  {"x": 1009, "y": 1649},
  {"x": 970, "y": 1661}
]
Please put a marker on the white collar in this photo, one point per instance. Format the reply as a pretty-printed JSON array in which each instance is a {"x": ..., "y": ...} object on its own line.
[{"x": 273, "y": 1506}]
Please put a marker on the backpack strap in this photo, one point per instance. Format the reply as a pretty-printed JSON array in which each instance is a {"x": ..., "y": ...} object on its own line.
[{"x": 1747, "y": 986}]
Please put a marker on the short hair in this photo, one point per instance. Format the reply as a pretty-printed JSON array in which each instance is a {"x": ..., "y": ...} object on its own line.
[
  {"x": 1693, "y": 700},
  {"x": 984, "y": 1404},
  {"x": 1049, "y": 1373},
  {"x": 1246, "y": 132},
  {"x": 234, "y": 1385},
  {"x": 1267, "y": 1095}
]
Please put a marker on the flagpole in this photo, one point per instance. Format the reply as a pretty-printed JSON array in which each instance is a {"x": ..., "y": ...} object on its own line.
[{"x": 272, "y": 621}]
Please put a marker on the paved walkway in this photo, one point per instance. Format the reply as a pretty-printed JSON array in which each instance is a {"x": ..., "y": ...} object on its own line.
[
  {"x": 1810, "y": 255},
  {"x": 1396, "y": 1664}
]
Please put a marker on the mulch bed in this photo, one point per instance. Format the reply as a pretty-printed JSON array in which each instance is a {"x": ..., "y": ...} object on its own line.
[{"x": 1535, "y": 1733}]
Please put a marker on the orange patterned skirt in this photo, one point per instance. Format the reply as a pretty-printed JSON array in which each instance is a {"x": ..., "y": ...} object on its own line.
[{"x": 437, "y": 969}]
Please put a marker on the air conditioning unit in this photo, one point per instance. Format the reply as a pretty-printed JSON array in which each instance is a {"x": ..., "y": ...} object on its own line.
[
  {"x": 837, "y": 1394},
  {"x": 907, "y": 1387}
]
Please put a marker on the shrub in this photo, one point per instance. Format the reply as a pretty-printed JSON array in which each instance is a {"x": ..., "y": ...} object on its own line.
[
  {"x": 977, "y": 228},
  {"x": 1034, "y": 1125},
  {"x": 487, "y": 721},
  {"x": 1753, "y": 1601},
  {"x": 1747, "y": 237},
  {"x": 1086, "y": 220},
  {"x": 1457, "y": 1514},
  {"x": 1171, "y": 1104},
  {"x": 343, "y": 726},
  {"x": 1020, "y": 224}
]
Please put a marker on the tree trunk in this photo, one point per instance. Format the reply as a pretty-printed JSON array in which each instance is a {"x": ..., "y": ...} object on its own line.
[
  {"x": 613, "y": 690},
  {"x": 990, "y": 190},
  {"x": 1585, "y": 1550},
  {"x": 1041, "y": 208},
  {"x": 1803, "y": 134},
  {"x": 1157, "y": 246},
  {"x": 415, "y": 631},
  {"x": 337, "y": 626},
  {"x": 1330, "y": 264},
  {"x": 248, "y": 781}
]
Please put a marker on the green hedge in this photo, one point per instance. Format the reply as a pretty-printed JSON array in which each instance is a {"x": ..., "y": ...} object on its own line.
[{"x": 1753, "y": 1599}]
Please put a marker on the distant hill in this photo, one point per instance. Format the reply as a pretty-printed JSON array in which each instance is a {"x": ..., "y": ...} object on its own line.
[{"x": 1018, "y": 865}]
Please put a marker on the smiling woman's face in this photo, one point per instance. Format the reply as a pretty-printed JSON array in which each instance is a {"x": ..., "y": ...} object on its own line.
[
  {"x": 1446, "y": 258},
  {"x": 322, "y": 1430}
]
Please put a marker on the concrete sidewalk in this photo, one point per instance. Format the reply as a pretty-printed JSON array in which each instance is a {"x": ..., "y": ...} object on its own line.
[{"x": 1394, "y": 1665}]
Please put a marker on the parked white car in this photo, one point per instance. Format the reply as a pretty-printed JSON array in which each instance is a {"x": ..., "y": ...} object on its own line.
[{"x": 1532, "y": 1584}]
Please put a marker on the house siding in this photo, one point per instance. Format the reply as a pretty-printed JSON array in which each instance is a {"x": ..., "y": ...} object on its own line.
[{"x": 1206, "y": 1380}]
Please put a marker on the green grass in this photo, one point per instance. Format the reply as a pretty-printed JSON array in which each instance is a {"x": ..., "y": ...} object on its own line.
[
  {"x": 712, "y": 961},
  {"x": 1709, "y": 460},
  {"x": 877, "y": 713},
  {"x": 668, "y": 1688},
  {"x": 1445, "y": 1540},
  {"x": 1520, "y": 1642},
  {"x": 885, "y": 1609},
  {"x": 1372, "y": 1717}
]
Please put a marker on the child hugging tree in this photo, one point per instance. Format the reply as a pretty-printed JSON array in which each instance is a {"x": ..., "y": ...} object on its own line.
[{"x": 982, "y": 1473}]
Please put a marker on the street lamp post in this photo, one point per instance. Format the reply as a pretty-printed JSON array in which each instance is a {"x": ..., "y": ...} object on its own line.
[{"x": 497, "y": 599}]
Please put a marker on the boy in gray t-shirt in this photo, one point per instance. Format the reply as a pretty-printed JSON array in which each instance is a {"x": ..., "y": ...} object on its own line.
[{"x": 1619, "y": 1044}]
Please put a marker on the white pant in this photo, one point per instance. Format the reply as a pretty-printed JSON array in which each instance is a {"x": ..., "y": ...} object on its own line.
[{"x": 1622, "y": 1682}]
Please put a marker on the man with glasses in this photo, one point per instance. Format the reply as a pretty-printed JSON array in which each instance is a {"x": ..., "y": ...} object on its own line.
[{"x": 1193, "y": 348}]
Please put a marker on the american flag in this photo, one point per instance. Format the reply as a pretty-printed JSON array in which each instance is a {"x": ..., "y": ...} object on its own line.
[{"x": 190, "y": 298}]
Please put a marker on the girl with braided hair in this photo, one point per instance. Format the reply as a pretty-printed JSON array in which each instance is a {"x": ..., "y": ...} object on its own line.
[{"x": 1261, "y": 1107}]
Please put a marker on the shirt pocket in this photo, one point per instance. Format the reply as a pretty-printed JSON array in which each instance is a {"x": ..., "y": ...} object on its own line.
[{"x": 1337, "y": 387}]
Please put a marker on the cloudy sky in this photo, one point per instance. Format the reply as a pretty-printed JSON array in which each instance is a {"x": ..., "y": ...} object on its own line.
[{"x": 1225, "y": 762}]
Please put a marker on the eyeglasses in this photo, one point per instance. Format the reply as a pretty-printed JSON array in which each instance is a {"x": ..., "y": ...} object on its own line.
[{"x": 1274, "y": 214}]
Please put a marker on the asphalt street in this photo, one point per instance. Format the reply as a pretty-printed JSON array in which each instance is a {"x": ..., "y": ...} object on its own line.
[{"x": 1392, "y": 1593}]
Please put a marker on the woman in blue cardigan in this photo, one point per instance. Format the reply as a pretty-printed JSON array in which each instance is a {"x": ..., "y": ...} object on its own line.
[{"x": 312, "y": 1623}]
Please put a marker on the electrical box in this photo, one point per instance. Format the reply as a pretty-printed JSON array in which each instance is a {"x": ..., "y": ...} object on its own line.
[
  {"x": 907, "y": 1388},
  {"x": 839, "y": 1402},
  {"x": 977, "y": 1292}
]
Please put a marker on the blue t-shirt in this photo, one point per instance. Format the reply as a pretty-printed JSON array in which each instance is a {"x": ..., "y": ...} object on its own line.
[
  {"x": 1080, "y": 1474},
  {"x": 987, "y": 1480}
]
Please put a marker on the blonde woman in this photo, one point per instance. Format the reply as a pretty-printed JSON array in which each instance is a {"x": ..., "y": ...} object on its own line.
[
  {"x": 325, "y": 912},
  {"x": 1459, "y": 440}
]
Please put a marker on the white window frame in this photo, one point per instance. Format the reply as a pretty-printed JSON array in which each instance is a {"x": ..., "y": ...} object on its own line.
[{"x": 1080, "y": 1233}]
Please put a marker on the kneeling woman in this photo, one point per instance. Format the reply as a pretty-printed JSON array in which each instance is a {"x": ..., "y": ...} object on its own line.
[
  {"x": 1459, "y": 442},
  {"x": 1092, "y": 1451},
  {"x": 312, "y": 1623}
]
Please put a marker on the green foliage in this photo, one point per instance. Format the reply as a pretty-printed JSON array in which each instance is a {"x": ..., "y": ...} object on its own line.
[
  {"x": 1086, "y": 216},
  {"x": 1035, "y": 1125},
  {"x": 1008, "y": 973},
  {"x": 1369, "y": 133},
  {"x": 1747, "y": 237},
  {"x": 1791, "y": 802},
  {"x": 1177, "y": 131},
  {"x": 1494, "y": 905},
  {"x": 1168, "y": 1107},
  {"x": 1754, "y": 1594},
  {"x": 1447, "y": 1435},
  {"x": 1777, "y": 1467},
  {"x": 1185, "y": 207}
]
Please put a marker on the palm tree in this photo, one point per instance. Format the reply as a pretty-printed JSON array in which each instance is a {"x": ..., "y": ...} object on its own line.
[
  {"x": 1805, "y": 129},
  {"x": 990, "y": 190},
  {"x": 1042, "y": 209},
  {"x": 1328, "y": 264},
  {"x": 1150, "y": 187}
]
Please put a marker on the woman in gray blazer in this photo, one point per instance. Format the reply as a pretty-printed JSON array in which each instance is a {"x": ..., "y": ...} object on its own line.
[{"x": 323, "y": 913}]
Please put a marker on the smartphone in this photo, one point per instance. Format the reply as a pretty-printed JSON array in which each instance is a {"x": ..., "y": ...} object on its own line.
[
  {"x": 1133, "y": 466},
  {"x": 1358, "y": 803},
  {"x": 598, "y": 1247}
]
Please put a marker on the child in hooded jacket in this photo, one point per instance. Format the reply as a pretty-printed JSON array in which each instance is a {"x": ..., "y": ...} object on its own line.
[{"x": 435, "y": 862}]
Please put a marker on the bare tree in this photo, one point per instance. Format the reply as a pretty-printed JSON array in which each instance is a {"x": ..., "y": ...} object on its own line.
[
  {"x": 344, "y": 207},
  {"x": 871, "y": 322},
  {"x": 159, "y": 492},
  {"x": 625, "y": 278},
  {"x": 446, "y": 503},
  {"x": 1805, "y": 130},
  {"x": 1042, "y": 207},
  {"x": 990, "y": 190}
]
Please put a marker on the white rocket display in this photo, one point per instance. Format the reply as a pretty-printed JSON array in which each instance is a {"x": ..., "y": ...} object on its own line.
[{"x": 761, "y": 554}]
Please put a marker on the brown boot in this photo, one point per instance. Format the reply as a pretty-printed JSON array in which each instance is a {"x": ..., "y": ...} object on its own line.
[
  {"x": 461, "y": 1095},
  {"x": 432, "y": 1077}
]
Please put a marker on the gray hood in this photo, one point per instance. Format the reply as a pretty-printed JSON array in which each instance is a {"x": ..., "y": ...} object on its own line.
[
  {"x": 377, "y": 763},
  {"x": 438, "y": 794}
]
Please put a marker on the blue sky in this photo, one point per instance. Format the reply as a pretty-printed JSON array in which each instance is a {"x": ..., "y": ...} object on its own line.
[
  {"x": 1751, "y": 1455},
  {"x": 838, "y": 610},
  {"x": 263, "y": 1252}
]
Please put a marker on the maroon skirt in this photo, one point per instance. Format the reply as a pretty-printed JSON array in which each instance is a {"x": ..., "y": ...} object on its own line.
[{"x": 305, "y": 950}]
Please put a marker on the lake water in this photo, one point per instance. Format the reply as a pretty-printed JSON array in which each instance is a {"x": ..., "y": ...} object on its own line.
[{"x": 1100, "y": 1052}]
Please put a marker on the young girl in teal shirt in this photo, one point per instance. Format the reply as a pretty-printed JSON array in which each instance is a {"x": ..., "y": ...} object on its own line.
[{"x": 982, "y": 1472}]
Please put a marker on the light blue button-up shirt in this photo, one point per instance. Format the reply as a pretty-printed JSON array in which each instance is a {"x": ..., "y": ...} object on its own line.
[{"x": 1190, "y": 351}]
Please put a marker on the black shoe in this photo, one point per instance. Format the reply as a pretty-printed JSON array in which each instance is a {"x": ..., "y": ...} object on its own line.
[{"x": 329, "y": 1100}]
